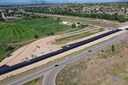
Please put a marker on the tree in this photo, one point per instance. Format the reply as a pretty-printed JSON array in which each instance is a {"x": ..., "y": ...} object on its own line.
[
  {"x": 36, "y": 36},
  {"x": 50, "y": 33},
  {"x": 73, "y": 25},
  {"x": 8, "y": 48},
  {"x": 1, "y": 19},
  {"x": 58, "y": 19},
  {"x": 113, "y": 48},
  {"x": 83, "y": 26},
  {"x": 121, "y": 18}
]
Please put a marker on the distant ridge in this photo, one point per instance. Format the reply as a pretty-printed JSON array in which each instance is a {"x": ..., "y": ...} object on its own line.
[{"x": 39, "y": 2}]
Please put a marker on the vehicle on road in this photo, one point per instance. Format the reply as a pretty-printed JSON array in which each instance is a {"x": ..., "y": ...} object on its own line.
[
  {"x": 89, "y": 50},
  {"x": 56, "y": 65}
]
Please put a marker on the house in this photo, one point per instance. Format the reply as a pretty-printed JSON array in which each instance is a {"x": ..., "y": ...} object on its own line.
[{"x": 7, "y": 18}]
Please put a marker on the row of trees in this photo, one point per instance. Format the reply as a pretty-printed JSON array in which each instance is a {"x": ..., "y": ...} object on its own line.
[
  {"x": 116, "y": 16},
  {"x": 1, "y": 19},
  {"x": 120, "y": 18}
]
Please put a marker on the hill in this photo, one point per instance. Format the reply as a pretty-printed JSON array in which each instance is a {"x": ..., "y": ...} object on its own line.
[{"x": 24, "y": 2}]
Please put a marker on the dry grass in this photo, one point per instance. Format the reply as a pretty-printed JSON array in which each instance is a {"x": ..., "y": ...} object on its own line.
[
  {"x": 104, "y": 68},
  {"x": 78, "y": 36},
  {"x": 37, "y": 81}
]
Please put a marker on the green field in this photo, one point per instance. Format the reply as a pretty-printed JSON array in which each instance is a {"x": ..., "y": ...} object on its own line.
[
  {"x": 2, "y": 52},
  {"x": 75, "y": 37},
  {"x": 24, "y": 30},
  {"x": 71, "y": 38}
]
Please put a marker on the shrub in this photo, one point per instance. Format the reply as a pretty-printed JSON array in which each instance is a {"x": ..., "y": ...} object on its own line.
[
  {"x": 36, "y": 36},
  {"x": 113, "y": 48},
  {"x": 73, "y": 25}
]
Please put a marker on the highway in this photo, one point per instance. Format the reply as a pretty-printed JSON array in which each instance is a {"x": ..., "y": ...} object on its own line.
[{"x": 50, "y": 71}]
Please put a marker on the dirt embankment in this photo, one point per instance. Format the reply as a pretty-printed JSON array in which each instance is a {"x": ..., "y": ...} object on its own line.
[{"x": 107, "y": 67}]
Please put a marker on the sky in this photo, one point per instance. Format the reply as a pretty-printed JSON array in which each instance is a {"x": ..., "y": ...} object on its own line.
[{"x": 4, "y": 2}]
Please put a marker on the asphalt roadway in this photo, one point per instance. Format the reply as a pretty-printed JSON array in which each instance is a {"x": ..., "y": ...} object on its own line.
[{"x": 50, "y": 72}]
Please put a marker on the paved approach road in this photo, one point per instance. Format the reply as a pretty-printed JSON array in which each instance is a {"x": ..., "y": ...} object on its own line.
[{"x": 50, "y": 72}]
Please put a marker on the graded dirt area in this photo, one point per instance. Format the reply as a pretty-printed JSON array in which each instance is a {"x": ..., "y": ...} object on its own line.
[{"x": 107, "y": 67}]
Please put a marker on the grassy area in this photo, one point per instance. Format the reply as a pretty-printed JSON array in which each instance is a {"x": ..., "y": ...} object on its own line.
[
  {"x": 37, "y": 81},
  {"x": 2, "y": 52},
  {"x": 119, "y": 71},
  {"x": 78, "y": 36},
  {"x": 25, "y": 30},
  {"x": 70, "y": 38}
]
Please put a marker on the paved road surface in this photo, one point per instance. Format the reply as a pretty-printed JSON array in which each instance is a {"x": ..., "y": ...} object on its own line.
[{"x": 51, "y": 71}]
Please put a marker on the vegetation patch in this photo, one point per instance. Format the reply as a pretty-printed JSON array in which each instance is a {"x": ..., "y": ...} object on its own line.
[
  {"x": 28, "y": 29},
  {"x": 37, "y": 81},
  {"x": 2, "y": 52},
  {"x": 97, "y": 69},
  {"x": 78, "y": 36},
  {"x": 66, "y": 39}
]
